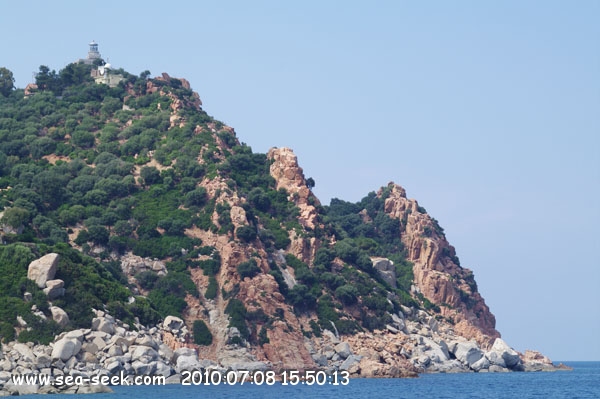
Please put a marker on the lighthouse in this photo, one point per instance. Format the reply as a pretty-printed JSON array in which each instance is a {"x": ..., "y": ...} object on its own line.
[{"x": 93, "y": 54}]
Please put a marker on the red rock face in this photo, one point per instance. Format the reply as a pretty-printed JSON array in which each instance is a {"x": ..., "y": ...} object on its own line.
[
  {"x": 285, "y": 349},
  {"x": 289, "y": 176},
  {"x": 436, "y": 272}
]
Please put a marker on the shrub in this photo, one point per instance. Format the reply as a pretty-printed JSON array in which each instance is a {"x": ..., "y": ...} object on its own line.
[
  {"x": 316, "y": 329},
  {"x": 143, "y": 310},
  {"x": 41, "y": 332},
  {"x": 347, "y": 250},
  {"x": 281, "y": 239},
  {"x": 146, "y": 279},
  {"x": 301, "y": 297},
  {"x": 150, "y": 174},
  {"x": 248, "y": 269},
  {"x": 259, "y": 199},
  {"x": 324, "y": 256},
  {"x": 202, "y": 335},
  {"x": 246, "y": 233},
  {"x": 209, "y": 266},
  {"x": 123, "y": 228},
  {"x": 332, "y": 280},
  {"x": 262, "y": 336},
  {"x": 347, "y": 294},
  {"x": 326, "y": 312},
  {"x": 98, "y": 234},
  {"x": 379, "y": 303},
  {"x": 7, "y": 332},
  {"x": 196, "y": 197},
  {"x": 237, "y": 317},
  {"x": 347, "y": 326},
  {"x": 283, "y": 287},
  {"x": 305, "y": 275},
  {"x": 15, "y": 217},
  {"x": 374, "y": 322},
  {"x": 167, "y": 304},
  {"x": 212, "y": 289}
]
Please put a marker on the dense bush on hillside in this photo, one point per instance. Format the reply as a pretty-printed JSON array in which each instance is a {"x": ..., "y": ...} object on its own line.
[{"x": 90, "y": 172}]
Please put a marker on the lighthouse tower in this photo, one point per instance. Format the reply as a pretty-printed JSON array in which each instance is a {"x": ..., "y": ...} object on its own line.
[{"x": 93, "y": 54}]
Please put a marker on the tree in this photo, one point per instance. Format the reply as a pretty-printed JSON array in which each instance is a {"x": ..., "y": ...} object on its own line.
[
  {"x": 47, "y": 80},
  {"x": 248, "y": 269},
  {"x": 310, "y": 183},
  {"x": 42, "y": 146},
  {"x": 347, "y": 293},
  {"x": 196, "y": 197},
  {"x": 15, "y": 217},
  {"x": 150, "y": 174},
  {"x": 246, "y": 233},
  {"x": 202, "y": 335},
  {"x": 301, "y": 297},
  {"x": 98, "y": 234},
  {"x": 7, "y": 81}
]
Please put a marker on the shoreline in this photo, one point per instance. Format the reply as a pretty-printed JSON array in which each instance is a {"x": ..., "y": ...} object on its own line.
[{"x": 109, "y": 348}]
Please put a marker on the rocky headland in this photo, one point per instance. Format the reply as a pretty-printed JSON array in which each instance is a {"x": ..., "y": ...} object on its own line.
[{"x": 140, "y": 237}]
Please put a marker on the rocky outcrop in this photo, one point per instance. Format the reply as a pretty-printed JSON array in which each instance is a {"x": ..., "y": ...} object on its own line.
[
  {"x": 131, "y": 265},
  {"x": 438, "y": 275},
  {"x": 43, "y": 269},
  {"x": 510, "y": 357},
  {"x": 59, "y": 316},
  {"x": 54, "y": 289},
  {"x": 285, "y": 349},
  {"x": 290, "y": 176},
  {"x": 178, "y": 103},
  {"x": 173, "y": 323},
  {"x": 386, "y": 270}
]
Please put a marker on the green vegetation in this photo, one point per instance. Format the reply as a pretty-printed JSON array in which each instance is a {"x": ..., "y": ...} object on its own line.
[
  {"x": 202, "y": 335},
  {"x": 237, "y": 317},
  {"x": 90, "y": 171},
  {"x": 7, "y": 82},
  {"x": 248, "y": 269},
  {"x": 212, "y": 289}
]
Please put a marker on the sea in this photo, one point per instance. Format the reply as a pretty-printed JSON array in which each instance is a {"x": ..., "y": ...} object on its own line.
[{"x": 582, "y": 382}]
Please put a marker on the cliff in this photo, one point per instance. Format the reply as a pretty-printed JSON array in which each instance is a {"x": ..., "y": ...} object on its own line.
[{"x": 437, "y": 271}]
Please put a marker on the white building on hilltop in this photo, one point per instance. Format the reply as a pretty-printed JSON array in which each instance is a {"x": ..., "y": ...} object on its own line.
[{"x": 101, "y": 73}]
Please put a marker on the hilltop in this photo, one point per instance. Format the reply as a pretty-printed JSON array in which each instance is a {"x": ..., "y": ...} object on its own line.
[{"x": 160, "y": 222}]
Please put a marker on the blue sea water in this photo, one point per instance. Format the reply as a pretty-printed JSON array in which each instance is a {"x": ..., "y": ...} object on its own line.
[{"x": 583, "y": 382}]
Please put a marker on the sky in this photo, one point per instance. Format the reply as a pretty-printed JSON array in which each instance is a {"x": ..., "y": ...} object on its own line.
[{"x": 487, "y": 113}]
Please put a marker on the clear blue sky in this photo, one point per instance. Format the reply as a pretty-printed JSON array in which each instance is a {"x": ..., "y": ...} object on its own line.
[{"x": 488, "y": 113}]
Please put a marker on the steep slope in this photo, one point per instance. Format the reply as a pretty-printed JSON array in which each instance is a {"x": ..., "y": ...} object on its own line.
[{"x": 437, "y": 272}]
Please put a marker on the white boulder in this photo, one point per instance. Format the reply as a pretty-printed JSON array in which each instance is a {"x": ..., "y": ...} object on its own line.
[
  {"x": 43, "y": 269},
  {"x": 481, "y": 364},
  {"x": 65, "y": 348},
  {"x": 343, "y": 350},
  {"x": 59, "y": 315},
  {"x": 103, "y": 324},
  {"x": 54, "y": 289},
  {"x": 173, "y": 323},
  {"x": 468, "y": 353},
  {"x": 509, "y": 355}
]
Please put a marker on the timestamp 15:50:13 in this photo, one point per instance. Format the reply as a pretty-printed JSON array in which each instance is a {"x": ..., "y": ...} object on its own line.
[{"x": 314, "y": 377}]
